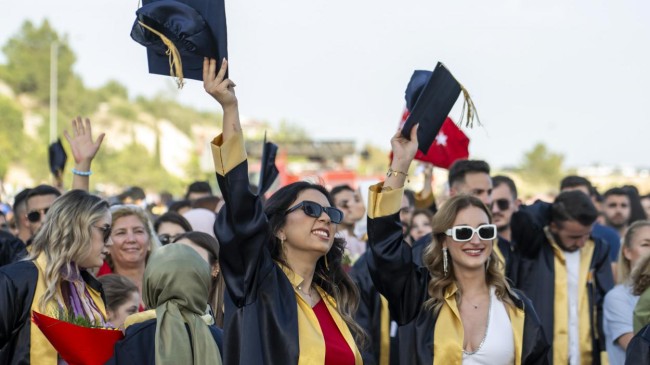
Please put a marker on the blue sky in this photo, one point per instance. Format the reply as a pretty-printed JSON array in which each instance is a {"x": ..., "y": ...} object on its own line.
[{"x": 571, "y": 74}]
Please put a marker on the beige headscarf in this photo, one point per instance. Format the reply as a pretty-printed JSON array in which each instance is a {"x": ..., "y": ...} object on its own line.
[{"x": 176, "y": 284}]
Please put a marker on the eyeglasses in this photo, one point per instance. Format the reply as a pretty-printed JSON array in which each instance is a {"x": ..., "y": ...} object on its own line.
[
  {"x": 485, "y": 232},
  {"x": 167, "y": 238},
  {"x": 35, "y": 215},
  {"x": 315, "y": 210},
  {"x": 106, "y": 232},
  {"x": 502, "y": 204}
]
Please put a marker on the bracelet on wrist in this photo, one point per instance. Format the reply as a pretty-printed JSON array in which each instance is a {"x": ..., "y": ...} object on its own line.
[
  {"x": 392, "y": 172},
  {"x": 81, "y": 173}
]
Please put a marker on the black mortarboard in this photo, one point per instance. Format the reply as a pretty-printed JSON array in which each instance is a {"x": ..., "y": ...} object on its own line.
[
  {"x": 178, "y": 34},
  {"x": 268, "y": 171},
  {"x": 58, "y": 157},
  {"x": 429, "y": 98}
]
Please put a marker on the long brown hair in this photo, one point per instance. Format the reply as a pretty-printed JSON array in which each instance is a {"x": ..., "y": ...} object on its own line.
[
  {"x": 217, "y": 283},
  {"x": 433, "y": 256}
]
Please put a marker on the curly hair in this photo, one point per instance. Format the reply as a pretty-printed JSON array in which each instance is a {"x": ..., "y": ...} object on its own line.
[
  {"x": 329, "y": 273},
  {"x": 65, "y": 238},
  {"x": 433, "y": 256}
]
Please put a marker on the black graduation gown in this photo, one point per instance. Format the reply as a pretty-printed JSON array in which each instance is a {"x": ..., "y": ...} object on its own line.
[
  {"x": 368, "y": 315},
  {"x": 638, "y": 350},
  {"x": 17, "y": 287},
  {"x": 405, "y": 285},
  {"x": 138, "y": 344},
  {"x": 12, "y": 249}
]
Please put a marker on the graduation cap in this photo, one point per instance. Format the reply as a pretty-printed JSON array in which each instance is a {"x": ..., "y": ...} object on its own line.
[
  {"x": 58, "y": 157},
  {"x": 268, "y": 171},
  {"x": 430, "y": 97},
  {"x": 178, "y": 34}
]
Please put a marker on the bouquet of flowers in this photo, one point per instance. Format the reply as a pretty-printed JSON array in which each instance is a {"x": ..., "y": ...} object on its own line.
[{"x": 78, "y": 340}]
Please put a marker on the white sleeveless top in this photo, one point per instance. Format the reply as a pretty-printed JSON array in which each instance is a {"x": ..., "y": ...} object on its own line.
[{"x": 498, "y": 345}]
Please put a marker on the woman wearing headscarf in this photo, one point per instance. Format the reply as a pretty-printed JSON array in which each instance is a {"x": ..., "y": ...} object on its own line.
[
  {"x": 54, "y": 278},
  {"x": 458, "y": 308},
  {"x": 288, "y": 299},
  {"x": 176, "y": 330}
]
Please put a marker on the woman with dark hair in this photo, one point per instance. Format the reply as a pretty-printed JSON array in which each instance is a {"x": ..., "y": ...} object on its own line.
[
  {"x": 208, "y": 247},
  {"x": 288, "y": 299},
  {"x": 122, "y": 298},
  {"x": 169, "y": 226},
  {"x": 55, "y": 278},
  {"x": 458, "y": 308}
]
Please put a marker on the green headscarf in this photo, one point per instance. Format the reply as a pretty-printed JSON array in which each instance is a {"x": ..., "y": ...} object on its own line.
[{"x": 176, "y": 284}]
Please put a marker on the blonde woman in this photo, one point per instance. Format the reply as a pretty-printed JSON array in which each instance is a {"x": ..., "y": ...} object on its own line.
[
  {"x": 54, "y": 277},
  {"x": 620, "y": 301},
  {"x": 460, "y": 307},
  {"x": 132, "y": 240}
]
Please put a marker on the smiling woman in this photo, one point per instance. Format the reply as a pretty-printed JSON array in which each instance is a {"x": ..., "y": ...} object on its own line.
[
  {"x": 132, "y": 240},
  {"x": 54, "y": 278},
  {"x": 290, "y": 300}
]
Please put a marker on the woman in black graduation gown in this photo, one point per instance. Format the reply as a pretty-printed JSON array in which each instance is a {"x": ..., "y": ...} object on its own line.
[{"x": 460, "y": 306}]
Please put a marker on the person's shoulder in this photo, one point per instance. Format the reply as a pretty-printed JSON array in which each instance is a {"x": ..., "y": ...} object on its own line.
[
  {"x": 618, "y": 293},
  {"x": 140, "y": 327},
  {"x": 18, "y": 269}
]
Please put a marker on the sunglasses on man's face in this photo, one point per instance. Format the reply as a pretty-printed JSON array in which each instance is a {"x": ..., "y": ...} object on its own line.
[
  {"x": 106, "y": 232},
  {"x": 485, "y": 232},
  {"x": 35, "y": 215},
  {"x": 315, "y": 210},
  {"x": 502, "y": 204}
]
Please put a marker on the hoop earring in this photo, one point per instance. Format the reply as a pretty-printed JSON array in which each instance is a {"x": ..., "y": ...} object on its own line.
[
  {"x": 445, "y": 261},
  {"x": 487, "y": 264}
]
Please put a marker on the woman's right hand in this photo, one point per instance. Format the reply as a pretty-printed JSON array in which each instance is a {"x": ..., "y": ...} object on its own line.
[
  {"x": 404, "y": 150},
  {"x": 223, "y": 90}
]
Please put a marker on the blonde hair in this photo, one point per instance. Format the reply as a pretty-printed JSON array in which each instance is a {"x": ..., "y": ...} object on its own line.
[
  {"x": 640, "y": 276},
  {"x": 433, "y": 256},
  {"x": 126, "y": 210},
  {"x": 624, "y": 265},
  {"x": 65, "y": 238}
]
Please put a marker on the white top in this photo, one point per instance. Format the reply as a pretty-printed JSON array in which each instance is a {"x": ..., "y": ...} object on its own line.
[
  {"x": 618, "y": 312},
  {"x": 498, "y": 346},
  {"x": 573, "y": 274}
]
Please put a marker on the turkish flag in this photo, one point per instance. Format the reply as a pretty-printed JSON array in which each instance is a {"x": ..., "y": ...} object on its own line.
[{"x": 451, "y": 144}]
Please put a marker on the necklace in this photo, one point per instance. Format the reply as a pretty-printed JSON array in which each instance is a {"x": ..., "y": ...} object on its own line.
[{"x": 308, "y": 294}]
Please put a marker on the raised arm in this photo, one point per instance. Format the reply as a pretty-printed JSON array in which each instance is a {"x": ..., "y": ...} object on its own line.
[
  {"x": 241, "y": 225},
  {"x": 392, "y": 269},
  {"x": 84, "y": 150}
]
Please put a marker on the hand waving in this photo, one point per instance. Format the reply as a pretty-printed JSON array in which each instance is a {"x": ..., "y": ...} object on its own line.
[{"x": 83, "y": 147}]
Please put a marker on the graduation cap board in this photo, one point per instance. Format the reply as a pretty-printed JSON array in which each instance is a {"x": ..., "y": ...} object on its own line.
[
  {"x": 430, "y": 97},
  {"x": 178, "y": 34},
  {"x": 57, "y": 157}
]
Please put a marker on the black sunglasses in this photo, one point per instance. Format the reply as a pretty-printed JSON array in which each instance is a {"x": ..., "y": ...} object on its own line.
[
  {"x": 35, "y": 215},
  {"x": 106, "y": 232},
  {"x": 502, "y": 204},
  {"x": 166, "y": 238},
  {"x": 313, "y": 209}
]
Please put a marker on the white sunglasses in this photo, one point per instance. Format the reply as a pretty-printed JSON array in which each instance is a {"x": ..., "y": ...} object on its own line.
[{"x": 465, "y": 233}]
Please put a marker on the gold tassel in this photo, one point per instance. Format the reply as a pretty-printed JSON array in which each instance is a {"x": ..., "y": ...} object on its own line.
[
  {"x": 175, "y": 63},
  {"x": 469, "y": 110}
]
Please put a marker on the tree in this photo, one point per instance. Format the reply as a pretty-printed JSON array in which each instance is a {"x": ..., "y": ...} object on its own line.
[
  {"x": 542, "y": 167},
  {"x": 11, "y": 134},
  {"x": 28, "y": 60}
]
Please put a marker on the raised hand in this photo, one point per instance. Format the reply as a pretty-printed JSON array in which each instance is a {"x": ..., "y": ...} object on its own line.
[
  {"x": 83, "y": 147},
  {"x": 215, "y": 84},
  {"x": 404, "y": 149}
]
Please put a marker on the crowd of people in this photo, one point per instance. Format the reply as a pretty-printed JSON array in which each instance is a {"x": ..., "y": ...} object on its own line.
[{"x": 309, "y": 275}]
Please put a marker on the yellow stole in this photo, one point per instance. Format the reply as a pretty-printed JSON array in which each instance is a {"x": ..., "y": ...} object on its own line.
[
  {"x": 41, "y": 352},
  {"x": 310, "y": 335},
  {"x": 561, "y": 305},
  {"x": 497, "y": 251},
  {"x": 384, "y": 342},
  {"x": 449, "y": 334}
]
